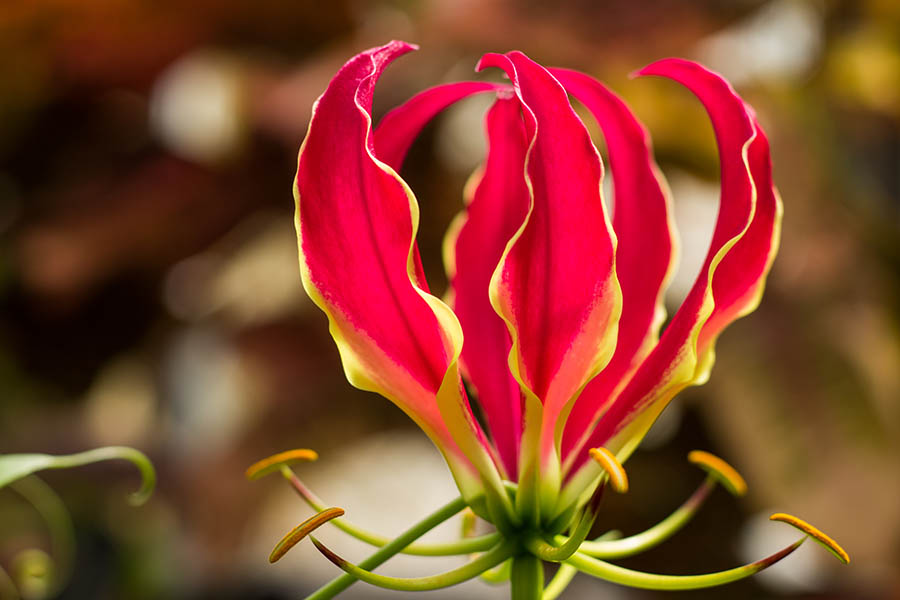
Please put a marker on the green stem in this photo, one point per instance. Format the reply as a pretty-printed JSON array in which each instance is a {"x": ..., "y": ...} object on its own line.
[
  {"x": 342, "y": 582},
  {"x": 527, "y": 578}
]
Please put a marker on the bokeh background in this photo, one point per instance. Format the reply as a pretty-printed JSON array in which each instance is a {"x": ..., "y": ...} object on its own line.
[{"x": 150, "y": 293}]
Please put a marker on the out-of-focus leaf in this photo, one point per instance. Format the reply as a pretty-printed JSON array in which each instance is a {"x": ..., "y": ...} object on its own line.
[{"x": 17, "y": 466}]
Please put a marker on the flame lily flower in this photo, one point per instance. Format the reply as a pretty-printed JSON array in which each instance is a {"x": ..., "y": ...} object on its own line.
[{"x": 554, "y": 313}]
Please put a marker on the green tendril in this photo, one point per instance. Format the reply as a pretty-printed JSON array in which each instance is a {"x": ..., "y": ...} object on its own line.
[
  {"x": 17, "y": 466},
  {"x": 59, "y": 525},
  {"x": 468, "y": 571}
]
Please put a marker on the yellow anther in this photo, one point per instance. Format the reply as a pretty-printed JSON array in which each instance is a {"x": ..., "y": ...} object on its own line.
[
  {"x": 617, "y": 477},
  {"x": 302, "y": 530},
  {"x": 273, "y": 463},
  {"x": 721, "y": 470},
  {"x": 831, "y": 545}
]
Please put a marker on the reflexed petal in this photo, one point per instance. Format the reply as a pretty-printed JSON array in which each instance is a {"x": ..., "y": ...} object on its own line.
[
  {"x": 356, "y": 222},
  {"x": 731, "y": 279},
  {"x": 741, "y": 276},
  {"x": 556, "y": 286},
  {"x": 399, "y": 128},
  {"x": 645, "y": 251},
  {"x": 495, "y": 212}
]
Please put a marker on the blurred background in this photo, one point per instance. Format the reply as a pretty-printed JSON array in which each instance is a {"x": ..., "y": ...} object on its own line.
[{"x": 150, "y": 292}]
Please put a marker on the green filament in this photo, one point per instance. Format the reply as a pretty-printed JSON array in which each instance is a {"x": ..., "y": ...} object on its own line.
[
  {"x": 464, "y": 546},
  {"x": 653, "y": 581},
  {"x": 342, "y": 582},
  {"x": 468, "y": 571},
  {"x": 635, "y": 544}
]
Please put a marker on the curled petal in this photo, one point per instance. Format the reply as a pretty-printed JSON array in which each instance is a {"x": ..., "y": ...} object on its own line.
[
  {"x": 730, "y": 282},
  {"x": 556, "y": 285},
  {"x": 645, "y": 252},
  {"x": 356, "y": 223},
  {"x": 740, "y": 277},
  {"x": 494, "y": 213},
  {"x": 399, "y": 128}
]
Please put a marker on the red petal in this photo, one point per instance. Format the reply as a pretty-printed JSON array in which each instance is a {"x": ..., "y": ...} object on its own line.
[
  {"x": 556, "y": 286},
  {"x": 730, "y": 282},
  {"x": 644, "y": 254},
  {"x": 740, "y": 277},
  {"x": 496, "y": 211},
  {"x": 356, "y": 222},
  {"x": 399, "y": 128}
]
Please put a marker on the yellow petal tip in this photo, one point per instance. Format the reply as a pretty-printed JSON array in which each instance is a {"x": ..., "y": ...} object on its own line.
[
  {"x": 273, "y": 463},
  {"x": 721, "y": 470},
  {"x": 618, "y": 479},
  {"x": 823, "y": 539}
]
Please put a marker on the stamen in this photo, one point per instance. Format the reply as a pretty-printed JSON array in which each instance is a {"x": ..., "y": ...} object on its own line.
[
  {"x": 469, "y": 521},
  {"x": 345, "y": 580},
  {"x": 499, "y": 574},
  {"x": 617, "y": 476},
  {"x": 823, "y": 539},
  {"x": 302, "y": 530},
  {"x": 273, "y": 463},
  {"x": 560, "y": 582},
  {"x": 653, "y": 581},
  {"x": 637, "y": 543},
  {"x": 465, "y": 546},
  {"x": 486, "y": 561},
  {"x": 568, "y": 546},
  {"x": 721, "y": 470}
]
